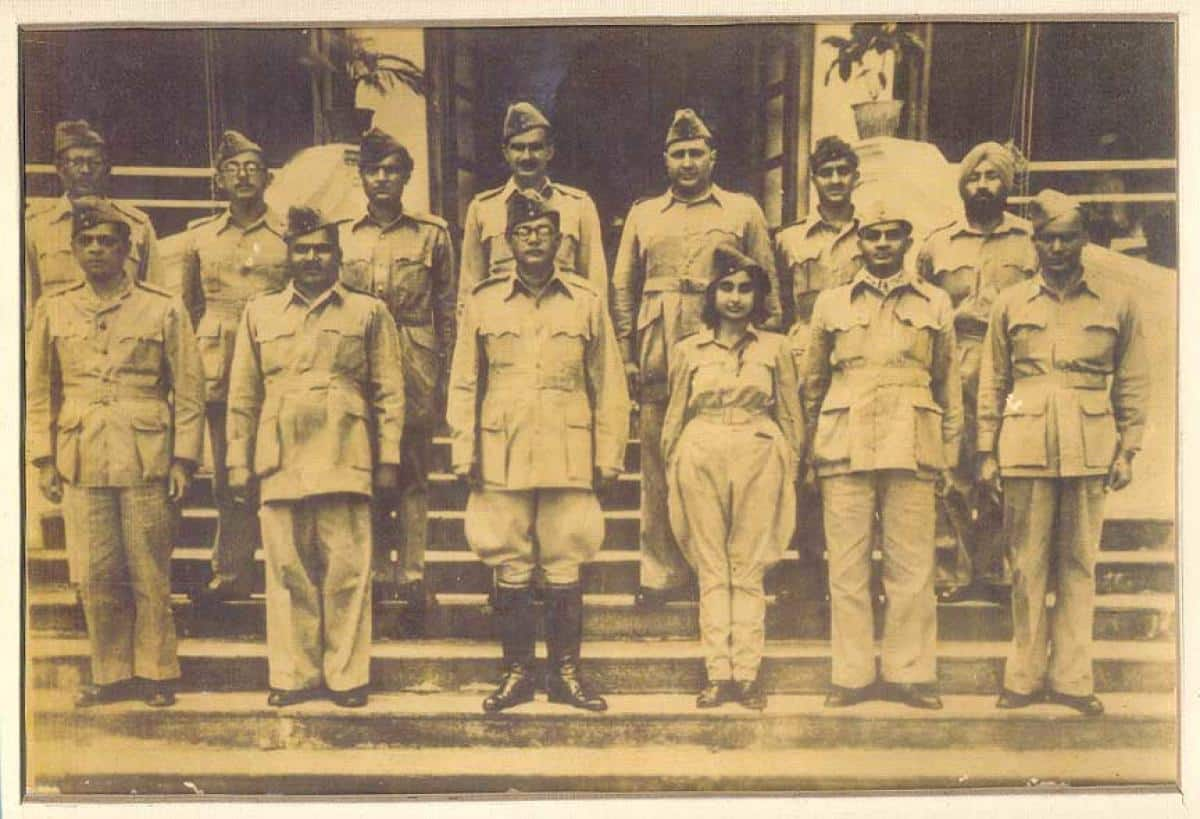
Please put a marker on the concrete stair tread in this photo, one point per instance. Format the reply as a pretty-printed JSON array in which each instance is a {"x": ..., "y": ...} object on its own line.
[
  {"x": 1160, "y": 652},
  {"x": 1138, "y": 706},
  {"x": 643, "y": 768}
]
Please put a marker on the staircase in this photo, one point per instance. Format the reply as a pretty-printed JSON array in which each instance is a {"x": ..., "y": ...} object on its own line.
[{"x": 424, "y": 732}]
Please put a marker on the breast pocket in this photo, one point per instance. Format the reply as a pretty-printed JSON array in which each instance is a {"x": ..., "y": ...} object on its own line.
[
  {"x": 1029, "y": 339},
  {"x": 501, "y": 344},
  {"x": 500, "y": 255},
  {"x": 916, "y": 326},
  {"x": 1095, "y": 343},
  {"x": 214, "y": 350},
  {"x": 409, "y": 280},
  {"x": 849, "y": 336},
  {"x": 566, "y": 348},
  {"x": 348, "y": 345},
  {"x": 277, "y": 346},
  {"x": 568, "y": 249},
  {"x": 141, "y": 351}
]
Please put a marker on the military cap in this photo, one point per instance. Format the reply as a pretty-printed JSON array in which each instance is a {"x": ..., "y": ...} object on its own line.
[
  {"x": 234, "y": 143},
  {"x": 830, "y": 149},
  {"x": 687, "y": 125},
  {"x": 522, "y": 117},
  {"x": 75, "y": 134},
  {"x": 526, "y": 207},
  {"x": 90, "y": 211},
  {"x": 1050, "y": 205},
  {"x": 376, "y": 146},
  {"x": 728, "y": 259},
  {"x": 878, "y": 212},
  {"x": 302, "y": 221}
]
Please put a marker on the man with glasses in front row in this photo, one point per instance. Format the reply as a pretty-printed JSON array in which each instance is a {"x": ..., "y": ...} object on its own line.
[{"x": 228, "y": 259}]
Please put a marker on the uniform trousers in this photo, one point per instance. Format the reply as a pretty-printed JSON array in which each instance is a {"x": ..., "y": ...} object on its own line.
[
  {"x": 318, "y": 591},
  {"x": 237, "y": 535},
  {"x": 402, "y": 529},
  {"x": 732, "y": 507},
  {"x": 662, "y": 563},
  {"x": 1052, "y": 525},
  {"x": 503, "y": 526},
  {"x": 120, "y": 541},
  {"x": 905, "y": 505}
]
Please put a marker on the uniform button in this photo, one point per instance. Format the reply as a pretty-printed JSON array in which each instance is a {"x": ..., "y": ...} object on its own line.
[{"x": 103, "y": 325}]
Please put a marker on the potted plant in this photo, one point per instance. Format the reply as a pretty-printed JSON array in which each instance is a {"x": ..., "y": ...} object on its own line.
[{"x": 863, "y": 58}]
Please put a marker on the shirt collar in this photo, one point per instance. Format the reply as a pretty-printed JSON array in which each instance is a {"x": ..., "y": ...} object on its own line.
[
  {"x": 102, "y": 304},
  {"x": 864, "y": 278},
  {"x": 264, "y": 220},
  {"x": 709, "y": 336},
  {"x": 368, "y": 219},
  {"x": 294, "y": 296},
  {"x": 555, "y": 282},
  {"x": 1086, "y": 284},
  {"x": 715, "y": 193},
  {"x": 1008, "y": 224},
  {"x": 510, "y": 187}
]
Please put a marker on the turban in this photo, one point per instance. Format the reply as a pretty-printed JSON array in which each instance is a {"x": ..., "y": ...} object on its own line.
[
  {"x": 1003, "y": 158},
  {"x": 1050, "y": 205}
]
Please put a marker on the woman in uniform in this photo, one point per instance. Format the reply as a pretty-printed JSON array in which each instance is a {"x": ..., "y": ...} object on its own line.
[{"x": 733, "y": 438}]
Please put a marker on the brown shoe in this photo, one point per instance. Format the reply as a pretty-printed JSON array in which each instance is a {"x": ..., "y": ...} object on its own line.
[
  {"x": 1009, "y": 700},
  {"x": 842, "y": 697},
  {"x": 914, "y": 696},
  {"x": 717, "y": 692},
  {"x": 751, "y": 694},
  {"x": 1088, "y": 706}
]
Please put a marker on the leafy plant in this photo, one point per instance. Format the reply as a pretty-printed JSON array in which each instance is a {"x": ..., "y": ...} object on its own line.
[
  {"x": 351, "y": 56},
  {"x": 880, "y": 38}
]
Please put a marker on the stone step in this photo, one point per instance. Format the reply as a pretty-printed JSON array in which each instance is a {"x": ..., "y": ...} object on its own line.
[
  {"x": 613, "y": 571},
  {"x": 117, "y": 765},
  {"x": 1144, "y": 616},
  {"x": 243, "y": 720},
  {"x": 625, "y": 666},
  {"x": 197, "y": 527}
]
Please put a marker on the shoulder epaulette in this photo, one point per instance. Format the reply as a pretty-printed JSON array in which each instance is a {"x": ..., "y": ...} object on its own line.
[
  {"x": 58, "y": 290},
  {"x": 429, "y": 219},
  {"x": 575, "y": 280},
  {"x": 39, "y": 208},
  {"x": 131, "y": 212},
  {"x": 489, "y": 193},
  {"x": 944, "y": 226},
  {"x": 493, "y": 279},
  {"x": 202, "y": 220},
  {"x": 154, "y": 288},
  {"x": 353, "y": 288},
  {"x": 574, "y": 193}
]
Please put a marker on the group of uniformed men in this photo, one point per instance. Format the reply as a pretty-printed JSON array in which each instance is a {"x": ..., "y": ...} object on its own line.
[{"x": 323, "y": 354}]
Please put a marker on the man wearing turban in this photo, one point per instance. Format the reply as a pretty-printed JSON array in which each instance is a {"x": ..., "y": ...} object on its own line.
[{"x": 973, "y": 259}]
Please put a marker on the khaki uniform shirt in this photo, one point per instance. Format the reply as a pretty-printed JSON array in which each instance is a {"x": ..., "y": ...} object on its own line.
[
  {"x": 537, "y": 389},
  {"x": 665, "y": 264},
  {"x": 409, "y": 265},
  {"x": 316, "y": 393},
  {"x": 486, "y": 252},
  {"x": 50, "y": 263},
  {"x": 1065, "y": 379},
  {"x": 881, "y": 385},
  {"x": 814, "y": 255},
  {"x": 224, "y": 266},
  {"x": 115, "y": 387},
  {"x": 973, "y": 267}
]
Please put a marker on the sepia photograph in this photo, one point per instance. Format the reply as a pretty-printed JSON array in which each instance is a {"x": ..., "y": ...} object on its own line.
[{"x": 777, "y": 406}]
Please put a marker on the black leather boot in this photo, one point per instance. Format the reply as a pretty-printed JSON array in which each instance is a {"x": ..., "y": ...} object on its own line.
[
  {"x": 514, "y": 614},
  {"x": 564, "y": 633}
]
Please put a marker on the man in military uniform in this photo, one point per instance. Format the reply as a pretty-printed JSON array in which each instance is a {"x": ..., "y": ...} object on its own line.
[
  {"x": 407, "y": 260},
  {"x": 539, "y": 416},
  {"x": 815, "y": 254},
  {"x": 528, "y": 148},
  {"x": 81, "y": 158},
  {"x": 116, "y": 413},
  {"x": 973, "y": 259},
  {"x": 228, "y": 259},
  {"x": 663, "y": 267},
  {"x": 883, "y": 404},
  {"x": 1062, "y": 406},
  {"x": 316, "y": 408}
]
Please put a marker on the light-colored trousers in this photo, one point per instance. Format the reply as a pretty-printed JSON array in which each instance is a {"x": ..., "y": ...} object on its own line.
[
  {"x": 502, "y": 527},
  {"x": 318, "y": 591},
  {"x": 407, "y": 531},
  {"x": 237, "y": 530},
  {"x": 1052, "y": 524},
  {"x": 733, "y": 506},
  {"x": 662, "y": 563},
  {"x": 905, "y": 504},
  {"x": 120, "y": 542}
]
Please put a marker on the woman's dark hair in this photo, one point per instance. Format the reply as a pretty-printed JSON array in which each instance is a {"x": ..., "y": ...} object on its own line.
[{"x": 762, "y": 289}]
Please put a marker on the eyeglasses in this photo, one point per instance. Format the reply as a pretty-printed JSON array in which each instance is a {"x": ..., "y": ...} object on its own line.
[
  {"x": 233, "y": 169},
  {"x": 828, "y": 171},
  {"x": 83, "y": 163},
  {"x": 103, "y": 240},
  {"x": 524, "y": 232},
  {"x": 874, "y": 235}
]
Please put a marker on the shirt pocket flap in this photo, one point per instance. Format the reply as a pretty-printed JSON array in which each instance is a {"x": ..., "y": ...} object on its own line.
[
  {"x": 147, "y": 423},
  {"x": 70, "y": 417},
  {"x": 578, "y": 415},
  {"x": 649, "y": 310},
  {"x": 1094, "y": 402},
  {"x": 837, "y": 399},
  {"x": 1024, "y": 406},
  {"x": 209, "y": 326},
  {"x": 492, "y": 418},
  {"x": 841, "y": 322},
  {"x": 271, "y": 329},
  {"x": 422, "y": 337},
  {"x": 916, "y": 314},
  {"x": 926, "y": 402}
]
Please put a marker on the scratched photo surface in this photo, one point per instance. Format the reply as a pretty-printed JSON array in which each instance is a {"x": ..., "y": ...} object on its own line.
[{"x": 779, "y": 406}]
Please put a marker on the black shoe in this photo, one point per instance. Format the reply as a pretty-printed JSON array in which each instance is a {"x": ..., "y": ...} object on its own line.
[
  {"x": 563, "y": 613},
  {"x": 1009, "y": 700},
  {"x": 281, "y": 698},
  {"x": 160, "y": 695},
  {"x": 842, "y": 697},
  {"x": 418, "y": 600},
  {"x": 717, "y": 692},
  {"x": 353, "y": 698},
  {"x": 914, "y": 696},
  {"x": 91, "y": 695},
  {"x": 648, "y": 599},
  {"x": 1088, "y": 706},
  {"x": 218, "y": 591},
  {"x": 516, "y": 687},
  {"x": 751, "y": 694}
]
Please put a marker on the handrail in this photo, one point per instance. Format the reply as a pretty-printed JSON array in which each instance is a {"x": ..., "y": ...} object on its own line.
[{"x": 197, "y": 204}]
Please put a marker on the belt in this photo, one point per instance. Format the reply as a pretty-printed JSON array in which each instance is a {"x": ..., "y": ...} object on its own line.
[
  {"x": 665, "y": 284},
  {"x": 108, "y": 392},
  {"x": 1072, "y": 379},
  {"x": 884, "y": 376},
  {"x": 731, "y": 416},
  {"x": 514, "y": 380}
]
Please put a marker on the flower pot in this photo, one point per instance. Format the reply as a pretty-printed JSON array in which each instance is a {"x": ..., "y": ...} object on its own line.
[{"x": 877, "y": 118}]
